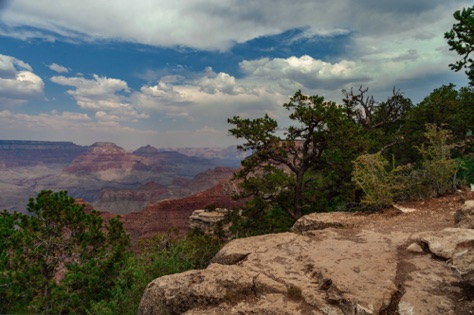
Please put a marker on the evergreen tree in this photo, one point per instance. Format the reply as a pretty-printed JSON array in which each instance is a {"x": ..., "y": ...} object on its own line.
[
  {"x": 461, "y": 39},
  {"x": 58, "y": 258}
]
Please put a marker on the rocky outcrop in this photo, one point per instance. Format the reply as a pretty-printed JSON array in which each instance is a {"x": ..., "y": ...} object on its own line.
[
  {"x": 464, "y": 217},
  {"x": 159, "y": 217},
  {"x": 106, "y": 161},
  {"x": 381, "y": 263},
  {"x": 321, "y": 271},
  {"x": 206, "y": 220},
  {"x": 455, "y": 245},
  {"x": 122, "y": 201}
]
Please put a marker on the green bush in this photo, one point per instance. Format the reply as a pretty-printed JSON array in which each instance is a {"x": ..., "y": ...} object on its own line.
[
  {"x": 439, "y": 168},
  {"x": 435, "y": 176},
  {"x": 466, "y": 170},
  {"x": 163, "y": 254},
  {"x": 371, "y": 176}
]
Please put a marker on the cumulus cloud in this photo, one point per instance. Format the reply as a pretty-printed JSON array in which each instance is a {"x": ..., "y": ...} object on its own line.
[
  {"x": 213, "y": 83},
  {"x": 58, "y": 68},
  {"x": 18, "y": 83},
  {"x": 103, "y": 95},
  {"x": 304, "y": 71}
]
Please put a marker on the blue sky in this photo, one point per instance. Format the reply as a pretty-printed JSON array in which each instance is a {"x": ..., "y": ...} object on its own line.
[{"x": 170, "y": 73}]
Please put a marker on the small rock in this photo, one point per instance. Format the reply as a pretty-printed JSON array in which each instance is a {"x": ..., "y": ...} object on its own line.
[
  {"x": 415, "y": 248},
  {"x": 404, "y": 209},
  {"x": 207, "y": 220},
  {"x": 463, "y": 265},
  {"x": 320, "y": 221}
]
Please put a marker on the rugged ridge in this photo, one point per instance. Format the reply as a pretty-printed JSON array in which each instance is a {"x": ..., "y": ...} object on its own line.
[
  {"x": 122, "y": 201},
  {"x": 107, "y": 160},
  {"x": 103, "y": 173},
  {"x": 14, "y": 153},
  {"x": 230, "y": 152},
  {"x": 159, "y": 217}
]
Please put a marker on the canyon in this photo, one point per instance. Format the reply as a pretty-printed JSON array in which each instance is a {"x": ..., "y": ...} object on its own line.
[{"x": 107, "y": 176}]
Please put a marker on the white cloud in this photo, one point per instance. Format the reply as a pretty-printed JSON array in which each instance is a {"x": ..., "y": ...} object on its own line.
[
  {"x": 18, "y": 83},
  {"x": 215, "y": 24},
  {"x": 213, "y": 83},
  {"x": 58, "y": 68},
  {"x": 296, "y": 72},
  {"x": 103, "y": 95}
]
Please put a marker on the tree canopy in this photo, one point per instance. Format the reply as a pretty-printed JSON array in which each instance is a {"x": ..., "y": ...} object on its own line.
[
  {"x": 299, "y": 150},
  {"x": 461, "y": 39},
  {"x": 58, "y": 258}
]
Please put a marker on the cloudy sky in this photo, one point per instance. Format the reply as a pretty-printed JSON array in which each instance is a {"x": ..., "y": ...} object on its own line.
[{"x": 170, "y": 73}]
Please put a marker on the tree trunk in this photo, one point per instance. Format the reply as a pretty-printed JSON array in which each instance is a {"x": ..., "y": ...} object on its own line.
[{"x": 299, "y": 195}]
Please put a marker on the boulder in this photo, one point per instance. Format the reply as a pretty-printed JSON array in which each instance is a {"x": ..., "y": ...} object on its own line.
[
  {"x": 207, "y": 220},
  {"x": 456, "y": 246},
  {"x": 447, "y": 242},
  {"x": 464, "y": 217},
  {"x": 320, "y": 221}
]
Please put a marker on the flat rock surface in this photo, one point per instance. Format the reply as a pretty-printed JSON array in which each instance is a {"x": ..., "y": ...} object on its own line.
[{"x": 361, "y": 267}]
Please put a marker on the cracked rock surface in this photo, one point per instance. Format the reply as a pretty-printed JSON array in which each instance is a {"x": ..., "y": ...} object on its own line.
[{"x": 367, "y": 264}]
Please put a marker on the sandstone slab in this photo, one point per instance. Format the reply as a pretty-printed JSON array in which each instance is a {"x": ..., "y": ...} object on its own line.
[
  {"x": 456, "y": 245},
  {"x": 346, "y": 279}
]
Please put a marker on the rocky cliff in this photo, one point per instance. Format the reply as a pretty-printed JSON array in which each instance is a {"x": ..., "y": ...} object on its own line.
[
  {"x": 104, "y": 173},
  {"x": 14, "y": 153},
  {"x": 211, "y": 152},
  {"x": 398, "y": 261},
  {"x": 106, "y": 161},
  {"x": 159, "y": 217},
  {"x": 122, "y": 201}
]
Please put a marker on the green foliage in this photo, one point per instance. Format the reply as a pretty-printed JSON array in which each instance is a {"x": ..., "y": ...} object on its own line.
[
  {"x": 435, "y": 175},
  {"x": 275, "y": 173},
  {"x": 440, "y": 169},
  {"x": 461, "y": 39},
  {"x": 466, "y": 171},
  {"x": 59, "y": 259},
  {"x": 163, "y": 254},
  {"x": 309, "y": 168},
  {"x": 370, "y": 174},
  {"x": 258, "y": 217}
]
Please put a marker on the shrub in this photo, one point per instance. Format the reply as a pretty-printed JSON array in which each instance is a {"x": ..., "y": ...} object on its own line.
[
  {"x": 440, "y": 169},
  {"x": 371, "y": 176},
  {"x": 294, "y": 292},
  {"x": 163, "y": 254},
  {"x": 435, "y": 176}
]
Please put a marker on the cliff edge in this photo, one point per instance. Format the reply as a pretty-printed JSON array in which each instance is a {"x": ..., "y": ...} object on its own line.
[{"x": 414, "y": 258}]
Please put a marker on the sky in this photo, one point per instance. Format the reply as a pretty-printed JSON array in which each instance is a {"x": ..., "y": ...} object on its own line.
[{"x": 170, "y": 73}]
